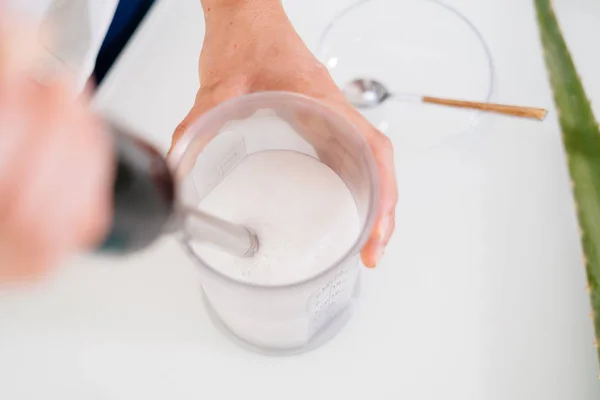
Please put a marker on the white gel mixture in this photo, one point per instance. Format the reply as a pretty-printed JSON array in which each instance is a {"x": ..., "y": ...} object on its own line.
[{"x": 303, "y": 213}]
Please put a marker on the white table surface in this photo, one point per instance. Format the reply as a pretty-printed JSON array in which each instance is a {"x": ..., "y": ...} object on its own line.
[{"x": 481, "y": 294}]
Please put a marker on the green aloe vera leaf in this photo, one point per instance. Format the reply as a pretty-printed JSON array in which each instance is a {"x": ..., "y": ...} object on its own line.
[{"x": 581, "y": 138}]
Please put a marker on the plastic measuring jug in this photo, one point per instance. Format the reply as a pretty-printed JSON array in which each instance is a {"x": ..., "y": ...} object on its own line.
[{"x": 298, "y": 315}]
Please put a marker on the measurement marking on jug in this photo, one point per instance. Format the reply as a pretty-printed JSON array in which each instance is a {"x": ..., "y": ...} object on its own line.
[
  {"x": 325, "y": 301},
  {"x": 233, "y": 159}
]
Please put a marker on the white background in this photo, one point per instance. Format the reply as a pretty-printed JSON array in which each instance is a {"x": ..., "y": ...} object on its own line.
[{"x": 481, "y": 294}]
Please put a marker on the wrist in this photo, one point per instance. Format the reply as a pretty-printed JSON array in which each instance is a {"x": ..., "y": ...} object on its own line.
[
  {"x": 236, "y": 6},
  {"x": 226, "y": 12}
]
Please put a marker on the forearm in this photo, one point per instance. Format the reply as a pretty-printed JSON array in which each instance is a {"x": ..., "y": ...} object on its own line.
[
  {"x": 232, "y": 5},
  {"x": 223, "y": 14},
  {"x": 242, "y": 35},
  {"x": 257, "y": 28}
]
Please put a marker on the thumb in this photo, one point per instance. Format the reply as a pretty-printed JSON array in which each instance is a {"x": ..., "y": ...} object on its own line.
[
  {"x": 202, "y": 104},
  {"x": 208, "y": 97},
  {"x": 183, "y": 158}
]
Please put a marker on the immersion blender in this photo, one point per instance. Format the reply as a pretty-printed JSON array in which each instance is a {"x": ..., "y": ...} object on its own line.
[
  {"x": 145, "y": 202},
  {"x": 145, "y": 205}
]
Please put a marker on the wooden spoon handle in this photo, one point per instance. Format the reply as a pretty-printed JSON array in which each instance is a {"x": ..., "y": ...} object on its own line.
[{"x": 517, "y": 111}]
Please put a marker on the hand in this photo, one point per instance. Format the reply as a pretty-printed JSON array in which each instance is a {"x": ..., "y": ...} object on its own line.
[
  {"x": 251, "y": 46},
  {"x": 54, "y": 167}
]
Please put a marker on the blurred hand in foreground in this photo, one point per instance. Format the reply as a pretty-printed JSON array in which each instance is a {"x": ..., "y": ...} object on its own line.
[{"x": 54, "y": 165}]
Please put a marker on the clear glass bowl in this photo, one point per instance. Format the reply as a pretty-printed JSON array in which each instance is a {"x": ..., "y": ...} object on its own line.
[
  {"x": 414, "y": 47},
  {"x": 298, "y": 315}
]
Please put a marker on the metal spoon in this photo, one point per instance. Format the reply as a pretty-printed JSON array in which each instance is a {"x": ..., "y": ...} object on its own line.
[{"x": 368, "y": 93}]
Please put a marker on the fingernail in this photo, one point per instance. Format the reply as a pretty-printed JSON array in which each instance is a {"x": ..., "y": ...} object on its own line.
[{"x": 367, "y": 262}]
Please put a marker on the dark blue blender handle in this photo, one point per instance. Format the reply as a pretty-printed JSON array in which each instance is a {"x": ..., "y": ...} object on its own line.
[{"x": 144, "y": 194}]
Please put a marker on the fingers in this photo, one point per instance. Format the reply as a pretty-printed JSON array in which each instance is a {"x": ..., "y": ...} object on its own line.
[
  {"x": 319, "y": 133},
  {"x": 90, "y": 165},
  {"x": 382, "y": 149},
  {"x": 30, "y": 235},
  {"x": 386, "y": 219}
]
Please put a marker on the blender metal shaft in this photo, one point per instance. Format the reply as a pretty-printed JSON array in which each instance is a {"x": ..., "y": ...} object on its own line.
[
  {"x": 145, "y": 205},
  {"x": 232, "y": 238}
]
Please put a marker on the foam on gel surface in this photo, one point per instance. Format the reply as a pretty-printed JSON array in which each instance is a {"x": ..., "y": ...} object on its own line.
[{"x": 303, "y": 213}]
